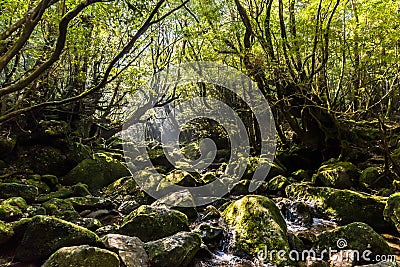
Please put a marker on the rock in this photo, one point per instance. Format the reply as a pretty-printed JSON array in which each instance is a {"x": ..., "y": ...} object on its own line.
[
  {"x": 9, "y": 212},
  {"x": 44, "y": 235},
  {"x": 42, "y": 187},
  {"x": 369, "y": 177},
  {"x": 130, "y": 249},
  {"x": 17, "y": 201},
  {"x": 240, "y": 188},
  {"x": 27, "y": 192},
  {"x": 345, "y": 258},
  {"x": 210, "y": 234},
  {"x": 127, "y": 186},
  {"x": 256, "y": 223},
  {"x": 181, "y": 178},
  {"x": 355, "y": 236},
  {"x": 96, "y": 173},
  {"x": 277, "y": 184},
  {"x": 90, "y": 203},
  {"x": 392, "y": 210},
  {"x": 61, "y": 208},
  {"x": 83, "y": 256},
  {"x": 78, "y": 190},
  {"x": 345, "y": 206},
  {"x": 128, "y": 206},
  {"x": 6, "y": 232},
  {"x": 301, "y": 175},
  {"x": 151, "y": 223},
  {"x": 340, "y": 175},
  {"x": 89, "y": 223},
  {"x": 176, "y": 250},
  {"x": 182, "y": 201},
  {"x": 50, "y": 180}
]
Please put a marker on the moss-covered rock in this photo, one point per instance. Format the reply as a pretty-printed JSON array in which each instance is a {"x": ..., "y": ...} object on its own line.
[
  {"x": 130, "y": 249},
  {"x": 90, "y": 203},
  {"x": 344, "y": 206},
  {"x": 176, "y": 250},
  {"x": 11, "y": 209},
  {"x": 182, "y": 178},
  {"x": 127, "y": 186},
  {"x": 369, "y": 176},
  {"x": 151, "y": 223},
  {"x": 182, "y": 201},
  {"x": 61, "y": 208},
  {"x": 6, "y": 232},
  {"x": 27, "y": 192},
  {"x": 96, "y": 173},
  {"x": 50, "y": 180},
  {"x": 82, "y": 256},
  {"x": 355, "y": 236},
  {"x": 42, "y": 187},
  {"x": 256, "y": 222},
  {"x": 44, "y": 235},
  {"x": 78, "y": 190},
  {"x": 340, "y": 175},
  {"x": 392, "y": 210},
  {"x": 277, "y": 184}
]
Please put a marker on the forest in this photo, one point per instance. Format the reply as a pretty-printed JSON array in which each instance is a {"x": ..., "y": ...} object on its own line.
[{"x": 199, "y": 133}]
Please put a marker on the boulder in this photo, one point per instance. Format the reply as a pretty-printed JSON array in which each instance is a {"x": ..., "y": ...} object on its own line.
[
  {"x": 355, "y": 236},
  {"x": 256, "y": 223},
  {"x": 27, "y": 192},
  {"x": 369, "y": 177},
  {"x": 90, "y": 203},
  {"x": 78, "y": 190},
  {"x": 82, "y": 256},
  {"x": 61, "y": 208},
  {"x": 176, "y": 250},
  {"x": 127, "y": 186},
  {"x": 9, "y": 212},
  {"x": 44, "y": 235},
  {"x": 345, "y": 206},
  {"x": 182, "y": 201},
  {"x": 392, "y": 210},
  {"x": 96, "y": 173},
  {"x": 151, "y": 223},
  {"x": 130, "y": 249},
  {"x": 340, "y": 175}
]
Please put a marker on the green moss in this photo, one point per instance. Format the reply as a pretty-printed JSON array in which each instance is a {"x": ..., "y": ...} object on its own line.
[
  {"x": 61, "y": 208},
  {"x": 78, "y": 190},
  {"x": 9, "y": 212},
  {"x": 17, "y": 201},
  {"x": 176, "y": 250},
  {"x": 85, "y": 255},
  {"x": 44, "y": 235},
  {"x": 338, "y": 175},
  {"x": 6, "y": 232},
  {"x": 151, "y": 223},
  {"x": 42, "y": 187},
  {"x": 392, "y": 210},
  {"x": 96, "y": 173},
  {"x": 369, "y": 176},
  {"x": 27, "y": 192},
  {"x": 359, "y": 236},
  {"x": 256, "y": 223},
  {"x": 345, "y": 206}
]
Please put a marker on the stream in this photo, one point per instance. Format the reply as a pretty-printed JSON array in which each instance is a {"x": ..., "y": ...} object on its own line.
[{"x": 300, "y": 217}]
